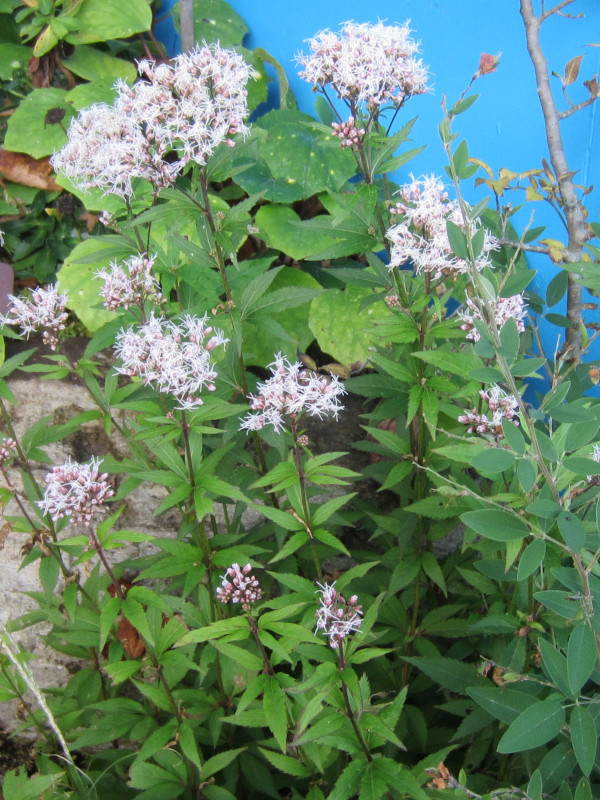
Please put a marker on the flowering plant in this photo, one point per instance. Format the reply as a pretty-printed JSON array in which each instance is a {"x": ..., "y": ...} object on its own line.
[{"x": 220, "y": 658}]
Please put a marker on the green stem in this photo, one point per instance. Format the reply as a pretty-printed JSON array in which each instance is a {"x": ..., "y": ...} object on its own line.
[
  {"x": 349, "y": 711},
  {"x": 304, "y": 499}
]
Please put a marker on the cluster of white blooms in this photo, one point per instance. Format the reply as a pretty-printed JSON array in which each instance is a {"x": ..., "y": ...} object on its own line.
[
  {"x": 182, "y": 112},
  {"x": 44, "y": 311},
  {"x": 291, "y": 391},
  {"x": 500, "y": 405},
  {"x": 336, "y": 616},
  {"x": 75, "y": 490},
  {"x": 364, "y": 63},
  {"x": 173, "y": 357},
  {"x": 242, "y": 588},
  {"x": 422, "y": 237},
  {"x": 131, "y": 284},
  {"x": 504, "y": 308}
]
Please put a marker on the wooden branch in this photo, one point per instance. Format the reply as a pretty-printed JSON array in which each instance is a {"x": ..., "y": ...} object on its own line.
[
  {"x": 554, "y": 10},
  {"x": 577, "y": 107},
  {"x": 573, "y": 209},
  {"x": 530, "y": 248}
]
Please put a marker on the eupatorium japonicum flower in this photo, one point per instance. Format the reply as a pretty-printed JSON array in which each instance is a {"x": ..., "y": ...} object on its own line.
[
  {"x": 336, "y": 616},
  {"x": 504, "y": 308},
  {"x": 183, "y": 110},
  {"x": 75, "y": 490},
  {"x": 44, "y": 311},
  {"x": 422, "y": 238},
  {"x": 130, "y": 284},
  {"x": 501, "y": 406},
  {"x": 292, "y": 390},
  {"x": 238, "y": 585},
  {"x": 172, "y": 357},
  {"x": 364, "y": 63}
]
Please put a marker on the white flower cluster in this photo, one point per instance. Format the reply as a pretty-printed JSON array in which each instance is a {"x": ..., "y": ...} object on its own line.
[
  {"x": 175, "y": 358},
  {"x": 291, "y": 391},
  {"x": 131, "y": 284},
  {"x": 364, "y": 63},
  {"x": 504, "y": 308},
  {"x": 44, "y": 311},
  {"x": 422, "y": 237},
  {"x": 242, "y": 588},
  {"x": 184, "y": 110},
  {"x": 336, "y": 616},
  {"x": 501, "y": 406},
  {"x": 75, "y": 490}
]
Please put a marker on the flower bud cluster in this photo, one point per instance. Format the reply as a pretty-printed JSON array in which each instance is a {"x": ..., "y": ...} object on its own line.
[
  {"x": 44, "y": 311},
  {"x": 243, "y": 587},
  {"x": 172, "y": 357},
  {"x": 6, "y": 450},
  {"x": 364, "y": 63},
  {"x": 336, "y": 616},
  {"x": 421, "y": 239},
  {"x": 131, "y": 284},
  {"x": 181, "y": 113},
  {"x": 75, "y": 490},
  {"x": 349, "y": 133},
  {"x": 504, "y": 308},
  {"x": 500, "y": 405},
  {"x": 292, "y": 391}
]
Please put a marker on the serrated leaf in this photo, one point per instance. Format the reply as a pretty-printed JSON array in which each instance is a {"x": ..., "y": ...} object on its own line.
[{"x": 275, "y": 711}]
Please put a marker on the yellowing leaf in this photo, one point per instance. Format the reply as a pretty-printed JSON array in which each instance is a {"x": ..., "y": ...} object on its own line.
[
  {"x": 572, "y": 70},
  {"x": 556, "y": 249}
]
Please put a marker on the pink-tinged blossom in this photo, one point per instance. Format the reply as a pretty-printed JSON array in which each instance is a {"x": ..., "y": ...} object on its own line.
[
  {"x": 336, "y": 616},
  {"x": 131, "y": 284},
  {"x": 364, "y": 63},
  {"x": 7, "y": 446},
  {"x": 181, "y": 112},
  {"x": 238, "y": 585},
  {"x": 504, "y": 308},
  {"x": 292, "y": 391},
  {"x": 75, "y": 490},
  {"x": 172, "y": 357},
  {"x": 349, "y": 134},
  {"x": 422, "y": 237},
  {"x": 500, "y": 405},
  {"x": 44, "y": 311}
]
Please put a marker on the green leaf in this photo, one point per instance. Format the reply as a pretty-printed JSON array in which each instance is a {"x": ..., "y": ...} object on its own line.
[
  {"x": 584, "y": 738},
  {"x": 572, "y": 530},
  {"x": 286, "y": 764},
  {"x": 327, "y": 509},
  {"x": 347, "y": 784},
  {"x": 292, "y": 544},
  {"x": 559, "y": 602},
  {"x": 90, "y": 63},
  {"x": 458, "y": 240},
  {"x": 555, "y": 666},
  {"x": 527, "y": 474},
  {"x": 583, "y": 790},
  {"x": 215, "y": 21},
  {"x": 101, "y": 20},
  {"x": 493, "y": 461},
  {"x": 432, "y": 569},
  {"x": 447, "y": 672},
  {"x": 275, "y": 711},
  {"x": 27, "y": 130},
  {"x": 535, "y": 726},
  {"x": 341, "y": 327},
  {"x": 531, "y": 559},
  {"x": 582, "y": 655},
  {"x": 504, "y": 704},
  {"x": 495, "y": 524},
  {"x": 215, "y": 764},
  {"x": 121, "y": 671}
]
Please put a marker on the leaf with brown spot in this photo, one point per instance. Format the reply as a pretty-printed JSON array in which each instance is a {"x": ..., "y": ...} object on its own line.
[{"x": 27, "y": 171}]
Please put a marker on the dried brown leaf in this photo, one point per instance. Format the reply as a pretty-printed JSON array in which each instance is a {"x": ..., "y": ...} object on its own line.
[{"x": 27, "y": 171}]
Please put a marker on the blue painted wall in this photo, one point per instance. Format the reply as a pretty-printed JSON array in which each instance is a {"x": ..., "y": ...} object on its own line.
[{"x": 505, "y": 127}]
